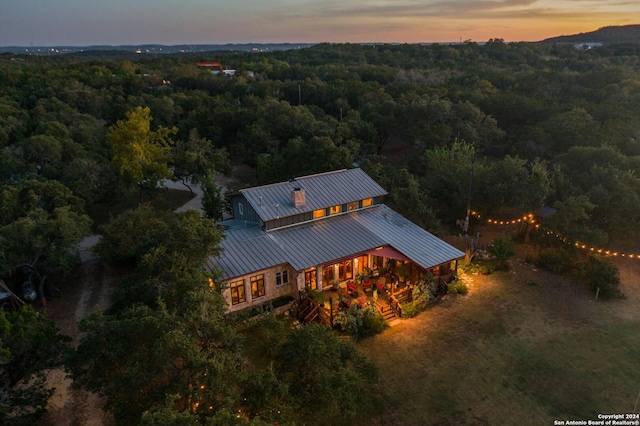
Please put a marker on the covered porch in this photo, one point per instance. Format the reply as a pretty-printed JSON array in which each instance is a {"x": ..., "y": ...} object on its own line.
[
  {"x": 383, "y": 271},
  {"x": 383, "y": 266}
]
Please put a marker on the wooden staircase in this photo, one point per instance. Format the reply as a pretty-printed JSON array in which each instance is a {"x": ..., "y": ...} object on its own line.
[
  {"x": 309, "y": 311},
  {"x": 386, "y": 311}
]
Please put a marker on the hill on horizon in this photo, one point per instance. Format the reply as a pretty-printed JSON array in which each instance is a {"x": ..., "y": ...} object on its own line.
[{"x": 611, "y": 34}]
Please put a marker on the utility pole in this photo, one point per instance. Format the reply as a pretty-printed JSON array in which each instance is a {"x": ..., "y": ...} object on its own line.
[{"x": 465, "y": 227}]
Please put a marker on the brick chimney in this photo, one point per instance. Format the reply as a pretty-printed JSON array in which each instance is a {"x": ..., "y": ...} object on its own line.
[{"x": 298, "y": 197}]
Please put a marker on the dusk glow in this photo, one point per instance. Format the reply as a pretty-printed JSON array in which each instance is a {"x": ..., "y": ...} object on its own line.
[{"x": 91, "y": 22}]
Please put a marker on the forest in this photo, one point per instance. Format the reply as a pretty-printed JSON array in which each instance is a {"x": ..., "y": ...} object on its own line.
[{"x": 499, "y": 128}]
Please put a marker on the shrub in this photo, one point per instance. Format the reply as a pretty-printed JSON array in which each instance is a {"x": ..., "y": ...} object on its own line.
[
  {"x": 422, "y": 293},
  {"x": 372, "y": 322},
  {"x": 485, "y": 269},
  {"x": 349, "y": 320},
  {"x": 502, "y": 249},
  {"x": 245, "y": 314},
  {"x": 555, "y": 260},
  {"x": 604, "y": 275},
  {"x": 458, "y": 287},
  {"x": 360, "y": 321}
]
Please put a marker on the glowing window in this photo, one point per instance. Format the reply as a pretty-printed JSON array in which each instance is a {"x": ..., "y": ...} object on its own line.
[
  {"x": 318, "y": 213},
  {"x": 352, "y": 206},
  {"x": 367, "y": 202},
  {"x": 335, "y": 209},
  {"x": 257, "y": 286},
  {"x": 237, "y": 292}
]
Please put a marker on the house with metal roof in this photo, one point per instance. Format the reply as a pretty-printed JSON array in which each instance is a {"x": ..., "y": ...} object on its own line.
[{"x": 318, "y": 232}]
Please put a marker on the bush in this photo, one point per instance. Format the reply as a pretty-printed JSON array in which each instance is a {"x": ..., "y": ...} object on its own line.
[
  {"x": 372, "y": 322},
  {"x": 502, "y": 249},
  {"x": 350, "y": 320},
  {"x": 604, "y": 275},
  {"x": 458, "y": 287},
  {"x": 555, "y": 260},
  {"x": 245, "y": 314},
  {"x": 422, "y": 293},
  {"x": 360, "y": 321},
  {"x": 485, "y": 269}
]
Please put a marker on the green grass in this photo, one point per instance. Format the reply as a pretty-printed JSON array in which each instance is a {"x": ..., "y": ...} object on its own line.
[
  {"x": 163, "y": 199},
  {"x": 508, "y": 353}
]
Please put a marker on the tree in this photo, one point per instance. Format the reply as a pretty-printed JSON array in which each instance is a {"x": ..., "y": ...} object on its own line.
[
  {"x": 573, "y": 220},
  {"x": 43, "y": 152},
  {"x": 327, "y": 377},
  {"x": 30, "y": 343},
  {"x": 139, "y": 356},
  {"x": 379, "y": 109},
  {"x": 159, "y": 241},
  {"x": 41, "y": 224},
  {"x": 526, "y": 187},
  {"x": 141, "y": 156},
  {"x": 604, "y": 278},
  {"x": 196, "y": 158},
  {"x": 168, "y": 248},
  {"x": 406, "y": 195},
  {"x": 447, "y": 173},
  {"x": 213, "y": 202}
]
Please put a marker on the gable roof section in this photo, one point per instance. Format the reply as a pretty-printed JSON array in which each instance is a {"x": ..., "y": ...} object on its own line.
[
  {"x": 250, "y": 249},
  {"x": 321, "y": 191},
  {"x": 417, "y": 244}
]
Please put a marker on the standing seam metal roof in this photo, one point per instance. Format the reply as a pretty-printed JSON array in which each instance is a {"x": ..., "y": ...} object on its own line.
[
  {"x": 250, "y": 249},
  {"x": 321, "y": 191}
]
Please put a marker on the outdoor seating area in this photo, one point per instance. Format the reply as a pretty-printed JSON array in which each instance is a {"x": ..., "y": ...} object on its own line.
[
  {"x": 375, "y": 290},
  {"x": 384, "y": 282}
]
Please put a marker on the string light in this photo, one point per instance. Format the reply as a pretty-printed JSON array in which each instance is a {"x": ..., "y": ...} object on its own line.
[{"x": 529, "y": 218}]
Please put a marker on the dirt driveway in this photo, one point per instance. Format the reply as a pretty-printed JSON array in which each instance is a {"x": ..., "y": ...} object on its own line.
[{"x": 87, "y": 291}]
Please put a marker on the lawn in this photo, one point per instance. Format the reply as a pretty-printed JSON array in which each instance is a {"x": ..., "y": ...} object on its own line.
[{"x": 512, "y": 352}]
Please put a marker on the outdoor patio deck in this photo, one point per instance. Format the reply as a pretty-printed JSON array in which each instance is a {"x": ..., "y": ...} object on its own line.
[{"x": 349, "y": 292}]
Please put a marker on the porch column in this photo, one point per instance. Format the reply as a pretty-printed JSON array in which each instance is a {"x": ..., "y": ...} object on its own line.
[
  {"x": 300, "y": 281},
  {"x": 319, "y": 277}
]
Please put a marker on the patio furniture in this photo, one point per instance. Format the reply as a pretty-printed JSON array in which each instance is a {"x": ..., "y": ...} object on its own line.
[
  {"x": 366, "y": 286},
  {"x": 353, "y": 290}
]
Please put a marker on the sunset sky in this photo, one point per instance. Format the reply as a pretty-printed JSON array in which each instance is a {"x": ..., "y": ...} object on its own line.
[{"x": 170, "y": 22}]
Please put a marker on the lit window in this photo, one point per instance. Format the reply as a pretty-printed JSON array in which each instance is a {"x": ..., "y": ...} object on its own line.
[
  {"x": 352, "y": 206},
  {"x": 237, "y": 292},
  {"x": 318, "y": 213},
  {"x": 335, "y": 209},
  {"x": 310, "y": 278},
  {"x": 257, "y": 286},
  {"x": 367, "y": 202},
  {"x": 282, "y": 278}
]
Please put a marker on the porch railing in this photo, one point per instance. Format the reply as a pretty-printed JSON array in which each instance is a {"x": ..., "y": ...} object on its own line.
[{"x": 309, "y": 310}]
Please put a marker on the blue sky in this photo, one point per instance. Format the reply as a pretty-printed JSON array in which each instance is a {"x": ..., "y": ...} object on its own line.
[{"x": 90, "y": 22}]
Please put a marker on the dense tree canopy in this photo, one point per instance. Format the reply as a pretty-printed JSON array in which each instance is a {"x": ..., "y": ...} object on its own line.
[
  {"x": 30, "y": 343},
  {"x": 510, "y": 127},
  {"x": 40, "y": 226}
]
